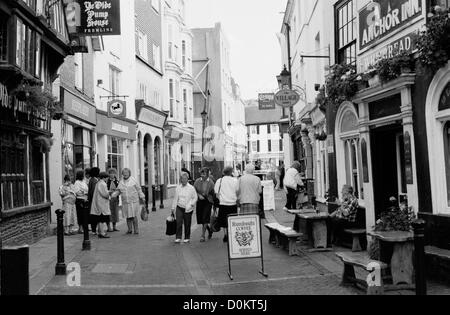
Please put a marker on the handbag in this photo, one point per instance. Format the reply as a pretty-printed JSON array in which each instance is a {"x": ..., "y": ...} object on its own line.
[
  {"x": 171, "y": 225},
  {"x": 216, "y": 197},
  {"x": 215, "y": 226},
  {"x": 144, "y": 213}
]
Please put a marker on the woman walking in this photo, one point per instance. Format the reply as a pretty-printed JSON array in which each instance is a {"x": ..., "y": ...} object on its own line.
[
  {"x": 132, "y": 198},
  {"x": 94, "y": 174},
  {"x": 112, "y": 184},
  {"x": 81, "y": 191},
  {"x": 227, "y": 189},
  {"x": 205, "y": 192},
  {"x": 184, "y": 204},
  {"x": 100, "y": 205},
  {"x": 67, "y": 193},
  {"x": 292, "y": 181}
]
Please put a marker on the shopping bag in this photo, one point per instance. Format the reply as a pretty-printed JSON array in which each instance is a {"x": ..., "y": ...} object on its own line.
[
  {"x": 215, "y": 227},
  {"x": 144, "y": 213},
  {"x": 171, "y": 225}
]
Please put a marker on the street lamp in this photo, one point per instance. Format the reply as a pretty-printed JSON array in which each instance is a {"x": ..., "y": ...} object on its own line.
[
  {"x": 204, "y": 117},
  {"x": 284, "y": 79}
]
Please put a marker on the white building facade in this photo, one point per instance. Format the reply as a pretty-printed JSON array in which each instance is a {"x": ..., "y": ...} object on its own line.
[{"x": 178, "y": 91}]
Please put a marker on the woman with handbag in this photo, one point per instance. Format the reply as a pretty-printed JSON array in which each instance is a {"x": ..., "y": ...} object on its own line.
[
  {"x": 227, "y": 189},
  {"x": 205, "y": 192},
  {"x": 100, "y": 205},
  {"x": 132, "y": 198},
  {"x": 184, "y": 205}
]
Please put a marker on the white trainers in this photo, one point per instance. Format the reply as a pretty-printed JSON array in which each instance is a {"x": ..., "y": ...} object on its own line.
[
  {"x": 177, "y": 241},
  {"x": 186, "y": 241}
]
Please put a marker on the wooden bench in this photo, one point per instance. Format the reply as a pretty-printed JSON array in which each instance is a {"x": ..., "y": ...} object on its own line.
[
  {"x": 283, "y": 236},
  {"x": 438, "y": 252},
  {"x": 356, "y": 234},
  {"x": 361, "y": 260}
]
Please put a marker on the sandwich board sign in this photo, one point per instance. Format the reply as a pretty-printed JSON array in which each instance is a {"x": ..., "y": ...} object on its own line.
[{"x": 244, "y": 239}]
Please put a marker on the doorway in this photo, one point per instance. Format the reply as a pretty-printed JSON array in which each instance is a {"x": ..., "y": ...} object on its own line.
[{"x": 388, "y": 163}]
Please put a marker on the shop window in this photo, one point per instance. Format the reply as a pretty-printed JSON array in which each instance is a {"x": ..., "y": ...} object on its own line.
[
  {"x": 346, "y": 32},
  {"x": 13, "y": 174},
  {"x": 37, "y": 174},
  {"x": 115, "y": 154},
  {"x": 83, "y": 148},
  {"x": 447, "y": 160},
  {"x": 68, "y": 153}
]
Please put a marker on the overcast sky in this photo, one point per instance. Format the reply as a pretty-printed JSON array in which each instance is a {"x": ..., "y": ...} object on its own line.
[{"x": 251, "y": 27}]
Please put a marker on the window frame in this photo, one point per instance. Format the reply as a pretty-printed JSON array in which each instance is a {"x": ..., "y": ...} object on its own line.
[{"x": 340, "y": 49}]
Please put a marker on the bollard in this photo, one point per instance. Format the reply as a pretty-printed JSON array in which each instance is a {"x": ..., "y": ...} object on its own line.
[
  {"x": 60, "y": 269},
  {"x": 15, "y": 271},
  {"x": 419, "y": 252},
  {"x": 154, "y": 198},
  {"x": 86, "y": 241},
  {"x": 161, "y": 195}
]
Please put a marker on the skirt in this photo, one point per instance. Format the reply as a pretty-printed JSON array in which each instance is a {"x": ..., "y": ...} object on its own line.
[
  {"x": 70, "y": 215},
  {"x": 224, "y": 212},
  {"x": 131, "y": 210},
  {"x": 249, "y": 208},
  {"x": 203, "y": 211},
  {"x": 114, "y": 207},
  {"x": 100, "y": 218}
]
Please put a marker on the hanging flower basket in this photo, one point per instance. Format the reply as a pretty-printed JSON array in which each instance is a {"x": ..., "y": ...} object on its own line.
[
  {"x": 341, "y": 84},
  {"x": 434, "y": 42},
  {"x": 36, "y": 97},
  {"x": 45, "y": 143}
]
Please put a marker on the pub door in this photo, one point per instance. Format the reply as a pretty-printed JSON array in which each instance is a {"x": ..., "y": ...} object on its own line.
[{"x": 388, "y": 164}]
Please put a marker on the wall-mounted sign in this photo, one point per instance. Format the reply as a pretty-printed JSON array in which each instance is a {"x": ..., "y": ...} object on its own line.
[
  {"x": 365, "y": 163},
  {"x": 382, "y": 18},
  {"x": 404, "y": 44},
  {"x": 90, "y": 17},
  {"x": 408, "y": 159},
  {"x": 266, "y": 101},
  {"x": 444, "y": 101},
  {"x": 287, "y": 98},
  {"x": 77, "y": 107},
  {"x": 121, "y": 128},
  {"x": 117, "y": 108}
]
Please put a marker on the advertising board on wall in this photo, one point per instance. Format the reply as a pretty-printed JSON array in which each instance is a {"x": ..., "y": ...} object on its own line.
[
  {"x": 266, "y": 101},
  {"x": 90, "y": 17},
  {"x": 381, "y": 18}
]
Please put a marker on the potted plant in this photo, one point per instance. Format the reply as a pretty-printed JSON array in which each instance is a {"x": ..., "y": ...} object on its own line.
[
  {"x": 372, "y": 76},
  {"x": 396, "y": 218},
  {"x": 434, "y": 42},
  {"x": 405, "y": 61},
  {"x": 45, "y": 143},
  {"x": 341, "y": 84},
  {"x": 35, "y": 97},
  {"x": 387, "y": 69},
  {"x": 362, "y": 82}
]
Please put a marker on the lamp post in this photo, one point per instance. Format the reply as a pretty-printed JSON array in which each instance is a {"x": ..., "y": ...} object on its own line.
[
  {"x": 204, "y": 118},
  {"x": 285, "y": 82}
]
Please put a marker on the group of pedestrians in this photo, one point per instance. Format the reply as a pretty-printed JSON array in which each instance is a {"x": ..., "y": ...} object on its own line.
[
  {"x": 227, "y": 196},
  {"x": 98, "y": 197}
]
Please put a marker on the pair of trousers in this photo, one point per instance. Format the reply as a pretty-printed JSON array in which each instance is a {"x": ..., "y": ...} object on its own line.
[
  {"x": 81, "y": 206},
  {"x": 291, "y": 203},
  {"x": 186, "y": 219},
  {"x": 338, "y": 225},
  {"x": 133, "y": 224}
]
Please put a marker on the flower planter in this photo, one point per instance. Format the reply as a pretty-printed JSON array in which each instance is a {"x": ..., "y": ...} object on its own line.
[
  {"x": 362, "y": 85},
  {"x": 406, "y": 70},
  {"x": 374, "y": 81}
]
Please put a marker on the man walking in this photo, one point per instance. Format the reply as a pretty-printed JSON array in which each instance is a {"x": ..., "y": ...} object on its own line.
[{"x": 249, "y": 191}]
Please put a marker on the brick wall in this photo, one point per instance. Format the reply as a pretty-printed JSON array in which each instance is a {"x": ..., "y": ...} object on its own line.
[
  {"x": 25, "y": 228},
  {"x": 148, "y": 21}
]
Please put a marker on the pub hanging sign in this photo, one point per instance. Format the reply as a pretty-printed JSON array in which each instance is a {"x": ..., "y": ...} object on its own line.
[{"x": 93, "y": 18}]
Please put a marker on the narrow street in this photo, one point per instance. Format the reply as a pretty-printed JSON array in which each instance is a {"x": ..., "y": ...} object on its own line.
[{"x": 152, "y": 263}]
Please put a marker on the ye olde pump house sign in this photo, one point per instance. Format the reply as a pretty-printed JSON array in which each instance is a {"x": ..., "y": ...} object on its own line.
[
  {"x": 380, "y": 18},
  {"x": 90, "y": 18}
]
